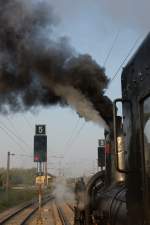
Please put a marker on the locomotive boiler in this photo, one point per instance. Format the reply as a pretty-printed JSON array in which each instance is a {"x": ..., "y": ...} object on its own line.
[{"x": 120, "y": 193}]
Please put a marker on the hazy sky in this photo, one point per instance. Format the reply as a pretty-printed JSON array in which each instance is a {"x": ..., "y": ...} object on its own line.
[{"x": 92, "y": 27}]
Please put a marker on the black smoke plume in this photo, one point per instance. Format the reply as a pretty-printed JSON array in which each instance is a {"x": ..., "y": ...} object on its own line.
[{"x": 37, "y": 68}]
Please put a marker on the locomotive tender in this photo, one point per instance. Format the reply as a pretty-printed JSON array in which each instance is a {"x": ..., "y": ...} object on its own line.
[{"x": 120, "y": 194}]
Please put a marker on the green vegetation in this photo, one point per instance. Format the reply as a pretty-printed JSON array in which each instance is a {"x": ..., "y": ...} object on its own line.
[
  {"x": 15, "y": 197},
  {"x": 18, "y": 176},
  {"x": 22, "y": 187},
  {"x": 23, "y": 180}
]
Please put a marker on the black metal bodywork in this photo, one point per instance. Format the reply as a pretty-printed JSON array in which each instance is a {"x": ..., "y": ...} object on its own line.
[
  {"x": 136, "y": 87},
  {"x": 127, "y": 202}
]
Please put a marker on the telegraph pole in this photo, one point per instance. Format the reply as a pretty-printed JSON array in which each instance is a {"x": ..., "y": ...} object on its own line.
[{"x": 8, "y": 169}]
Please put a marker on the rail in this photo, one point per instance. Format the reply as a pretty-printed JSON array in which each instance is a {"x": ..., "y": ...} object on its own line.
[
  {"x": 23, "y": 214},
  {"x": 70, "y": 206},
  {"x": 62, "y": 216}
]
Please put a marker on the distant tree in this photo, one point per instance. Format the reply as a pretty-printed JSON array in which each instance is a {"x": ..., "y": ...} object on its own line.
[{"x": 18, "y": 176}]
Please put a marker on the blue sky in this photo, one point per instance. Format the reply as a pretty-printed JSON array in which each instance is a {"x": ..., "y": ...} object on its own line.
[{"x": 91, "y": 27}]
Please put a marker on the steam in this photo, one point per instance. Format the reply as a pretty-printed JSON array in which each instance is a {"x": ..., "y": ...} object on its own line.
[
  {"x": 78, "y": 102},
  {"x": 37, "y": 68},
  {"x": 61, "y": 191}
]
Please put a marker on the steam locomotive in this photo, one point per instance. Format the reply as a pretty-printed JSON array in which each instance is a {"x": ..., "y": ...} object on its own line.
[{"x": 119, "y": 194}]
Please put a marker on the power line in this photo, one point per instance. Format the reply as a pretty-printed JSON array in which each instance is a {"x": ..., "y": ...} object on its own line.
[
  {"x": 23, "y": 155},
  {"x": 16, "y": 136},
  {"x": 28, "y": 122},
  {"x": 72, "y": 133},
  {"x": 13, "y": 133},
  {"x": 111, "y": 48},
  {"x": 78, "y": 133},
  {"x": 74, "y": 139},
  {"x": 124, "y": 60},
  {"x": 12, "y": 138}
]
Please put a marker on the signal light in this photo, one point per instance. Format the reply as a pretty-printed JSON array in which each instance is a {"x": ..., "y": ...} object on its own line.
[
  {"x": 36, "y": 157},
  {"x": 40, "y": 148}
]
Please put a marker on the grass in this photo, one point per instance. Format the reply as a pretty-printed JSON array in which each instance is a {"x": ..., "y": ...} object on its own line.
[{"x": 15, "y": 197}]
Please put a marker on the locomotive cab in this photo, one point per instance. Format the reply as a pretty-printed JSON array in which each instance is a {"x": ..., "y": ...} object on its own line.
[{"x": 136, "y": 130}]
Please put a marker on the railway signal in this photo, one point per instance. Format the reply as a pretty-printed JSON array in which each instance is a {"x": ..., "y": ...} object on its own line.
[
  {"x": 40, "y": 144},
  {"x": 40, "y": 148},
  {"x": 40, "y": 156}
]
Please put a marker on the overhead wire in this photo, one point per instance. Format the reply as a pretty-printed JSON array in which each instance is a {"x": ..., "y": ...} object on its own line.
[
  {"x": 19, "y": 141},
  {"x": 27, "y": 121},
  {"x": 74, "y": 139},
  {"x": 124, "y": 60},
  {"x": 111, "y": 48},
  {"x": 72, "y": 133},
  {"x": 15, "y": 133},
  {"x": 12, "y": 138},
  {"x": 23, "y": 155}
]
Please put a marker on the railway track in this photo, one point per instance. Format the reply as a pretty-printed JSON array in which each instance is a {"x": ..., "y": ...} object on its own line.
[
  {"x": 52, "y": 213},
  {"x": 23, "y": 214},
  {"x": 66, "y": 217},
  {"x": 70, "y": 206},
  {"x": 62, "y": 216},
  {"x": 55, "y": 213}
]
